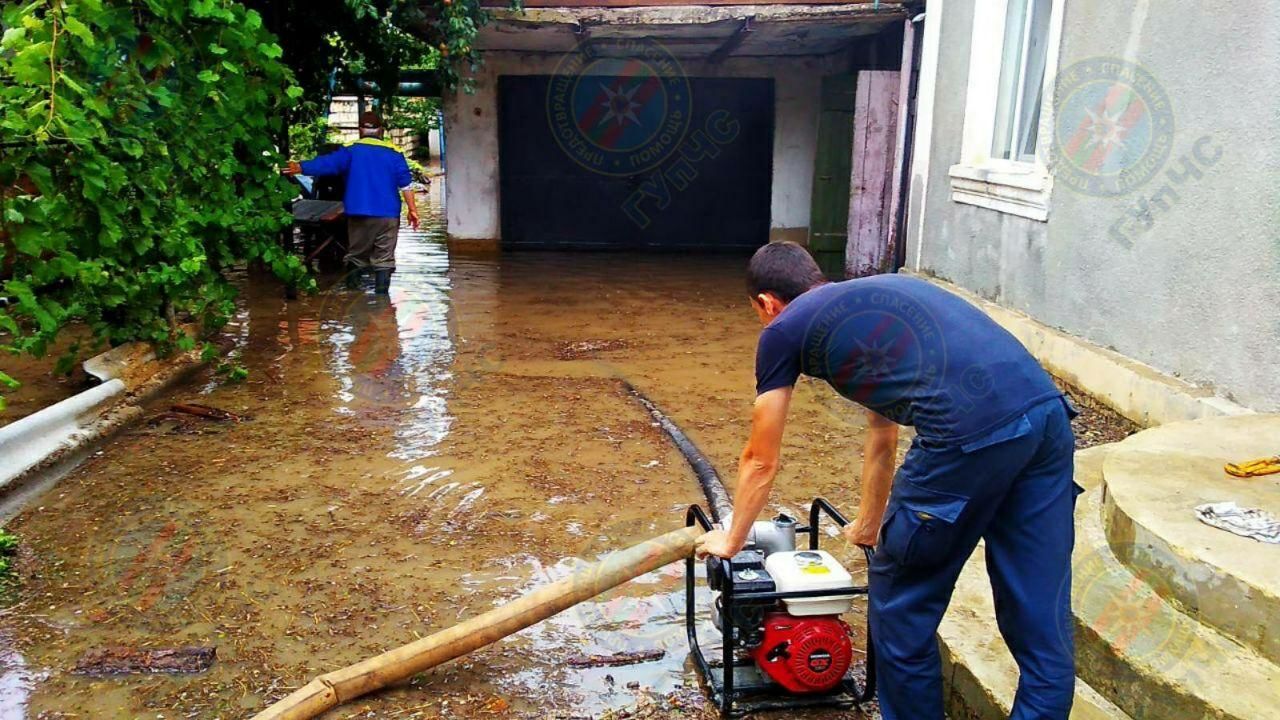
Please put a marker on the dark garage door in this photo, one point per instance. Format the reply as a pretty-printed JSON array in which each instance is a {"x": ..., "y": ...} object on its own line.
[{"x": 633, "y": 162}]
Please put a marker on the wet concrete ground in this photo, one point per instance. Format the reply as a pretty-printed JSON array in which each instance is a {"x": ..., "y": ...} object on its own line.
[{"x": 402, "y": 464}]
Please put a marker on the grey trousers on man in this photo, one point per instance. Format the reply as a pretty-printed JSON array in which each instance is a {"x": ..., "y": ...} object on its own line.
[{"x": 371, "y": 242}]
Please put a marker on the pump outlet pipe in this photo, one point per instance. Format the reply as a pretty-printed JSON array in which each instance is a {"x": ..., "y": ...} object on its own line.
[{"x": 333, "y": 689}]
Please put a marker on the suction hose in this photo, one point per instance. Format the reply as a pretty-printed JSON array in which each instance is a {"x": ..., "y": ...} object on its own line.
[{"x": 712, "y": 487}]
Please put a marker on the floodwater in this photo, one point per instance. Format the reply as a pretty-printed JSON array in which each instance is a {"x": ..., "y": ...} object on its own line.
[
  {"x": 40, "y": 385},
  {"x": 402, "y": 464}
]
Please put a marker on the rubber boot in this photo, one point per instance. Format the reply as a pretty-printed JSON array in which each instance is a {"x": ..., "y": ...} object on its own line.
[
  {"x": 355, "y": 274},
  {"x": 382, "y": 282}
]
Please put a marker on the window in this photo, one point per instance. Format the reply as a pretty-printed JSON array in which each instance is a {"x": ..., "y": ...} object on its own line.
[
  {"x": 1017, "y": 118},
  {"x": 1013, "y": 57}
]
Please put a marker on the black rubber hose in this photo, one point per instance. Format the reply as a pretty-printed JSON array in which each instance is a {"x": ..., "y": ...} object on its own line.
[{"x": 708, "y": 478}]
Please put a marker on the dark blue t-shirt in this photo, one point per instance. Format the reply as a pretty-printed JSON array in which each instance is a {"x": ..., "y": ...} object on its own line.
[{"x": 907, "y": 349}]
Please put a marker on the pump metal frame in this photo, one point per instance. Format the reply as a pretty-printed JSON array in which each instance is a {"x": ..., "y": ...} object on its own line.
[{"x": 737, "y": 699}]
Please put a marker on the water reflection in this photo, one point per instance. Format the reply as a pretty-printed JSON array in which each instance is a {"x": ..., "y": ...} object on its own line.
[
  {"x": 392, "y": 354},
  {"x": 16, "y": 682}
]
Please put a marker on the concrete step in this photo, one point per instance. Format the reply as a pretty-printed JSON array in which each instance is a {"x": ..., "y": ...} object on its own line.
[
  {"x": 1139, "y": 650},
  {"x": 981, "y": 677},
  {"x": 1154, "y": 481}
]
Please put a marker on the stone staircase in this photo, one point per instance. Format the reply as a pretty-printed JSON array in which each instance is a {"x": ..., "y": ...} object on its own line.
[{"x": 1174, "y": 620}]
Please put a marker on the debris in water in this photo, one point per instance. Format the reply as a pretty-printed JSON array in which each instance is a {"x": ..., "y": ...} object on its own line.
[
  {"x": 205, "y": 411},
  {"x": 132, "y": 661},
  {"x": 618, "y": 660},
  {"x": 589, "y": 348}
]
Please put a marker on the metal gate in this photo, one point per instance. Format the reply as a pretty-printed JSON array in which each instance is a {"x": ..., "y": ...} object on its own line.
[{"x": 634, "y": 162}]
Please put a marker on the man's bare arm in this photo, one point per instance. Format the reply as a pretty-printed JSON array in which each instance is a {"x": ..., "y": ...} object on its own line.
[
  {"x": 412, "y": 202},
  {"x": 878, "y": 460},
  {"x": 757, "y": 468}
]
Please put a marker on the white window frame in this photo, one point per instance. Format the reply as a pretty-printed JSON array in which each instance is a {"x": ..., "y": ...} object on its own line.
[{"x": 1016, "y": 187}]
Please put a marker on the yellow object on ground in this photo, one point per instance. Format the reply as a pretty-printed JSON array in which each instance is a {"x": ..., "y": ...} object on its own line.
[{"x": 1254, "y": 468}]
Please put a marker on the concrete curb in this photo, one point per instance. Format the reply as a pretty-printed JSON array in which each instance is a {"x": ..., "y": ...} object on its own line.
[
  {"x": 1137, "y": 391},
  {"x": 40, "y": 449},
  {"x": 27, "y": 442},
  {"x": 979, "y": 672}
]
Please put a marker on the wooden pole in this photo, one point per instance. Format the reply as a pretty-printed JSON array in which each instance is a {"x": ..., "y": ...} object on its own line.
[{"x": 328, "y": 691}]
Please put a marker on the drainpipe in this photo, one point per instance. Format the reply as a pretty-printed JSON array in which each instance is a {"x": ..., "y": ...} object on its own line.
[
  {"x": 443, "y": 166},
  {"x": 904, "y": 181}
]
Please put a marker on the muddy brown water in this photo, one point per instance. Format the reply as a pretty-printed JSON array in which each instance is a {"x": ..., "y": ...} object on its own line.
[
  {"x": 402, "y": 464},
  {"x": 40, "y": 386}
]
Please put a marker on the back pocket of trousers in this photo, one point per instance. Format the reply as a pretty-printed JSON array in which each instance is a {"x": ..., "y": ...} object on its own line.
[{"x": 922, "y": 530}]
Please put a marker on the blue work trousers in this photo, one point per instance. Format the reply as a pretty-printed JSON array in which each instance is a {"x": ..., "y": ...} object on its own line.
[{"x": 1012, "y": 488}]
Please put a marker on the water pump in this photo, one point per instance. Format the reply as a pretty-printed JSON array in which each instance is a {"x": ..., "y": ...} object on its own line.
[{"x": 778, "y": 610}]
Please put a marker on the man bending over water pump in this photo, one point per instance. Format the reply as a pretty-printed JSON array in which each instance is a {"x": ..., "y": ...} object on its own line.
[{"x": 991, "y": 459}]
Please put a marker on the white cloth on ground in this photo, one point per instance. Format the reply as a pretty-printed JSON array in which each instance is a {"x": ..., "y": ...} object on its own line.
[{"x": 1248, "y": 522}]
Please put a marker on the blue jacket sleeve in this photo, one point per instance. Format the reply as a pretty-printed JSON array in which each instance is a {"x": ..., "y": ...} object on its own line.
[
  {"x": 335, "y": 163},
  {"x": 403, "y": 177}
]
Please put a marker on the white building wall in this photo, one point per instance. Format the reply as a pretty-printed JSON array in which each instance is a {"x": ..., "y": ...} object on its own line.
[
  {"x": 471, "y": 126},
  {"x": 1181, "y": 272}
]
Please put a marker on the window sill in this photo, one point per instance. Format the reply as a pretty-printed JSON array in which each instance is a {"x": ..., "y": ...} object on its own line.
[{"x": 1013, "y": 190}]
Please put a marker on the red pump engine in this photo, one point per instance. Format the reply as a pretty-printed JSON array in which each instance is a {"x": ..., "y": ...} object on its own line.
[
  {"x": 782, "y": 608},
  {"x": 804, "y": 654}
]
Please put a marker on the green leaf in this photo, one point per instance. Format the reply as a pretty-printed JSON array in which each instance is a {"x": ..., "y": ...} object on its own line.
[
  {"x": 29, "y": 240},
  {"x": 132, "y": 147},
  {"x": 79, "y": 29},
  {"x": 69, "y": 82},
  {"x": 12, "y": 36}
]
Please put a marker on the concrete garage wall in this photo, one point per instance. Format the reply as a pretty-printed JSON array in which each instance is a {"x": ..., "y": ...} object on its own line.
[
  {"x": 1181, "y": 272},
  {"x": 471, "y": 126}
]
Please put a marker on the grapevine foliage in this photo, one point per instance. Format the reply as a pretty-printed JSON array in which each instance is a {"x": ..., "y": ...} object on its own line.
[
  {"x": 8, "y": 549},
  {"x": 138, "y": 161},
  {"x": 139, "y": 147}
]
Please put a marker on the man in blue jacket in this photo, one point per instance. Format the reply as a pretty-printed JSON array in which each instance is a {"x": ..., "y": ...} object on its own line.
[
  {"x": 991, "y": 459},
  {"x": 377, "y": 175}
]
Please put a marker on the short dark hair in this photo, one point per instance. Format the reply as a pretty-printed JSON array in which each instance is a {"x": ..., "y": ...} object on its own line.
[{"x": 784, "y": 269}]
